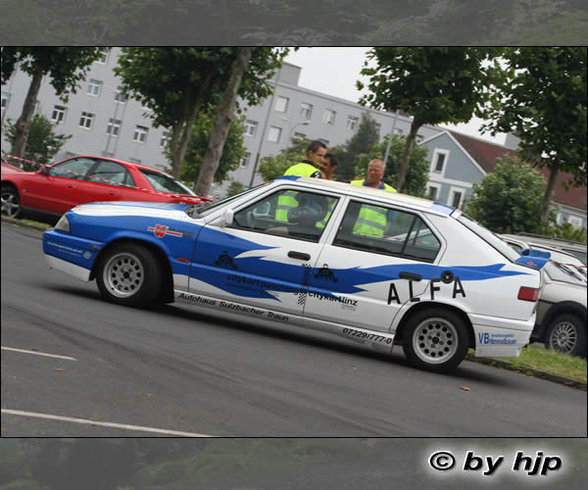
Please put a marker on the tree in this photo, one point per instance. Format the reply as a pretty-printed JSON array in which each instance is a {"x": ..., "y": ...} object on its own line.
[
  {"x": 42, "y": 143},
  {"x": 65, "y": 66},
  {"x": 231, "y": 156},
  {"x": 361, "y": 142},
  {"x": 177, "y": 84},
  {"x": 223, "y": 118},
  {"x": 418, "y": 169},
  {"x": 434, "y": 85},
  {"x": 540, "y": 95},
  {"x": 508, "y": 200}
]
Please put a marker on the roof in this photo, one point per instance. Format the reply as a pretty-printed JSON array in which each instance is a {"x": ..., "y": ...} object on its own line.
[{"x": 486, "y": 153}]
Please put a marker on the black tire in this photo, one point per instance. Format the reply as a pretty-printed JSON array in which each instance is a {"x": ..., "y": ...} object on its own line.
[
  {"x": 130, "y": 274},
  {"x": 10, "y": 201},
  {"x": 566, "y": 333},
  {"x": 435, "y": 339}
]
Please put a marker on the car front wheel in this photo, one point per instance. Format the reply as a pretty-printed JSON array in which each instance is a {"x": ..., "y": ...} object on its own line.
[
  {"x": 435, "y": 340},
  {"x": 566, "y": 334},
  {"x": 10, "y": 202},
  {"x": 129, "y": 274}
]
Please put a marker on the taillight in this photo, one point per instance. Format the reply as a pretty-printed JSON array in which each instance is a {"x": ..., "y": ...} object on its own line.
[{"x": 529, "y": 294}]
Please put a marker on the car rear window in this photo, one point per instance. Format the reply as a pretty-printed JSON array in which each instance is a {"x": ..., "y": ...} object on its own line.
[
  {"x": 489, "y": 237},
  {"x": 164, "y": 183}
]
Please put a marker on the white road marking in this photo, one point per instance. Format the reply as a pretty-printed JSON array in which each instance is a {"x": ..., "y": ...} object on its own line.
[
  {"x": 102, "y": 424},
  {"x": 39, "y": 353}
]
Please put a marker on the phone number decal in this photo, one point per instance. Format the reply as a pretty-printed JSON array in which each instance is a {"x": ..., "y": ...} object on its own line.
[{"x": 351, "y": 332}]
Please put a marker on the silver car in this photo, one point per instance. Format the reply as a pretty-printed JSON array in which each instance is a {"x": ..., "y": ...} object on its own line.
[{"x": 561, "y": 309}]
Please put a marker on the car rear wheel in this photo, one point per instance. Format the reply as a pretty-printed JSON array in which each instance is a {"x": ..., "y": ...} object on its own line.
[
  {"x": 10, "y": 201},
  {"x": 566, "y": 334},
  {"x": 435, "y": 340},
  {"x": 129, "y": 274}
]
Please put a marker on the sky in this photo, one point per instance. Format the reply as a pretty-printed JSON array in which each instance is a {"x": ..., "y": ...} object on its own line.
[{"x": 334, "y": 70}]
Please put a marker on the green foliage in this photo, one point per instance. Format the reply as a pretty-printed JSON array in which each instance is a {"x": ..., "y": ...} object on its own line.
[
  {"x": 508, "y": 200},
  {"x": 418, "y": 170},
  {"x": 359, "y": 144},
  {"x": 65, "y": 66},
  {"x": 540, "y": 95},
  {"x": 234, "y": 188},
  {"x": 567, "y": 231},
  {"x": 42, "y": 143},
  {"x": 232, "y": 153}
]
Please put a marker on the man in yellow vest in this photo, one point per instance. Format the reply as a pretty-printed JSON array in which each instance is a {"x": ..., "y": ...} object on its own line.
[
  {"x": 372, "y": 220},
  {"x": 309, "y": 167}
]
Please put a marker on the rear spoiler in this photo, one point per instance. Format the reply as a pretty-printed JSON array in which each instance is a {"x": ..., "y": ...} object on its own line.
[{"x": 535, "y": 259}]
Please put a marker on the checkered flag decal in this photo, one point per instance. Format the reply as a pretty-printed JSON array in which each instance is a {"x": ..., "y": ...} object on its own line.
[{"x": 305, "y": 279}]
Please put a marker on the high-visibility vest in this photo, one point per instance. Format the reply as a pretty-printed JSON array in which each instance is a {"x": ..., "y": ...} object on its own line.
[
  {"x": 287, "y": 200},
  {"x": 371, "y": 220}
]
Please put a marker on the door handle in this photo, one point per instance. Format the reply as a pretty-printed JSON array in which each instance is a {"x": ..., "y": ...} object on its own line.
[
  {"x": 298, "y": 255},
  {"x": 410, "y": 276}
]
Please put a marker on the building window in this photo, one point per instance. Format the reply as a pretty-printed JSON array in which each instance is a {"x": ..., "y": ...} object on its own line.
[
  {"x": 113, "y": 127},
  {"x": 250, "y": 127},
  {"x": 103, "y": 56},
  {"x": 165, "y": 137},
  {"x": 378, "y": 127},
  {"x": 456, "y": 199},
  {"x": 134, "y": 160},
  {"x": 322, "y": 140},
  {"x": 398, "y": 131},
  {"x": 305, "y": 111},
  {"x": 329, "y": 117},
  {"x": 575, "y": 221},
  {"x": 94, "y": 87},
  {"x": 419, "y": 138},
  {"x": 352, "y": 122},
  {"x": 281, "y": 104},
  {"x": 86, "y": 120},
  {"x": 140, "y": 134},
  {"x": 299, "y": 135},
  {"x": 274, "y": 134},
  {"x": 58, "y": 114},
  {"x": 433, "y": 193},
  {"x": 245, "y": 159},
  {"x": 439, "y": 159},
  {"x": 5, "y": 97},
  {"x": 119, "y": 96}
]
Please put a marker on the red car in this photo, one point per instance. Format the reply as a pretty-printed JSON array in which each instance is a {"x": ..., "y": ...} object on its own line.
[{"x": 55, "y": 189}]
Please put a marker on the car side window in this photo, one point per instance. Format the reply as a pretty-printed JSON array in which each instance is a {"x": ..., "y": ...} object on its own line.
[
  {"x": 292, "y": 213},
  {"x": 384, "y": 230},
  {"x": 110, "y": 173},
  {"x": 72, "y": 169}
]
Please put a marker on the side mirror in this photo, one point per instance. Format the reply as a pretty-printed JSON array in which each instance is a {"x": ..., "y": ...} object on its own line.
[{"x": 227, "y": 218}]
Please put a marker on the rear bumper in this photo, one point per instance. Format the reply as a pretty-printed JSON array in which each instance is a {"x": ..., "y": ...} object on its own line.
[{"x": 500, "y": 337}]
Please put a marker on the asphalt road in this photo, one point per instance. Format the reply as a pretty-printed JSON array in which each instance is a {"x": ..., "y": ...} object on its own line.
[{"x": 173, "y": 371}]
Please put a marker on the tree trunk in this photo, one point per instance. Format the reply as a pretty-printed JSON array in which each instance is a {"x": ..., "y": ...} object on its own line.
[
  {"x": 23, "y": 123},
  {"x": 548, "y": 192},
  {"x": 405, "y": 159},
  {"x": 224, "y": 115},
  {"x": 182, "y": 131}
]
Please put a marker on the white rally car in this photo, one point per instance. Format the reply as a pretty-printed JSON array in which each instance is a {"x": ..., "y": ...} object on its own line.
[{"x": 372, "y": 266}]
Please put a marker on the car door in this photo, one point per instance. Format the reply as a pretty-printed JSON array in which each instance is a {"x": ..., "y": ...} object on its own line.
[
  {"x": 106, "y": 181},
  {"x": 367, "y": 275},
  {"x": 259, "y": 261},
  {"x": 58, "y": 188}
]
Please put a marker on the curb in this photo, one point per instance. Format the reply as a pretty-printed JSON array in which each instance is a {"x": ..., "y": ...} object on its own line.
[
  {"x": 499, "y": 363},
  {"x": 17, "y": 222},
  {"x": 527, "y": 371}
]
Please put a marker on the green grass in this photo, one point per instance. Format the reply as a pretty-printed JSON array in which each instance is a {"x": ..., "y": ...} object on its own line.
[{"x": 549, "y": 361}]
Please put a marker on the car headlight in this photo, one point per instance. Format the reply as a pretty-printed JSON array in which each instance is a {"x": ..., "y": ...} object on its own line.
[{"x": 63, "y": 224}]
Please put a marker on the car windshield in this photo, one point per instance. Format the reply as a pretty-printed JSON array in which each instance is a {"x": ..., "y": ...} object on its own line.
[
  {"x": 206, "y": 208},
  {"x": 165, "y": 183},
  {"x": 489, "y": 237}
]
